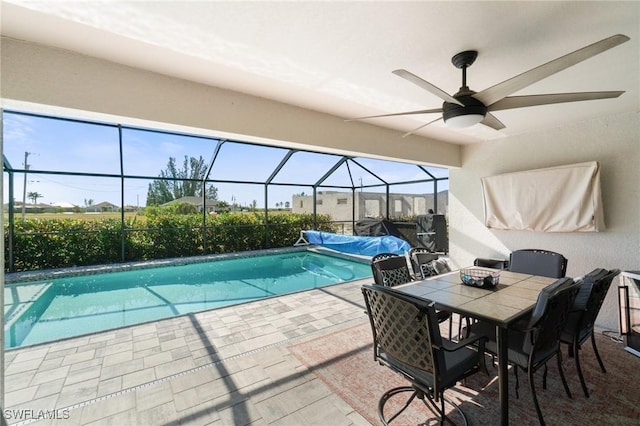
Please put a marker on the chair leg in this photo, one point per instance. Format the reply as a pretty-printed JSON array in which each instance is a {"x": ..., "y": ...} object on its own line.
[
  {"x": 388, "y": 395},
  {"x": 570, "y": 351},
  {"x": 561, "y": 370},
  {"x": 579, "y": 368},
  {"x": 515, "y": 371},
  {"x": 595, "y": 349},
  {"x": 535, "y": 398},
  {"x": 440, "y": 410},
  {"x": 544, "y": 377}
]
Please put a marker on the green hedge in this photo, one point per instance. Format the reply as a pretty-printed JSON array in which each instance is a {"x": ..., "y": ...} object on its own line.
[{"x": 56, "y": 243}]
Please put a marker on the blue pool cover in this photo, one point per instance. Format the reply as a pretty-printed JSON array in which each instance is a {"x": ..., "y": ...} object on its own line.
[{"x": 365, "y": 246}]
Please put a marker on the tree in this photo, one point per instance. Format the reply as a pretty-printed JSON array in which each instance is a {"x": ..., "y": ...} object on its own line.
[
  {"x": 174, "y": 183},
  {"x": 33, "y": 196},
  {"x": 88, "y": 202}
]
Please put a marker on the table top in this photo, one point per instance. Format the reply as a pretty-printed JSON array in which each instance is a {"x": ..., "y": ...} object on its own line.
[{"x": 515, "y": 295}]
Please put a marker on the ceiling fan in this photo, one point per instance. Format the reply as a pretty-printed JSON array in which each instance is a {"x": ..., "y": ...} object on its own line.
[{"x": 466, "y": 107}]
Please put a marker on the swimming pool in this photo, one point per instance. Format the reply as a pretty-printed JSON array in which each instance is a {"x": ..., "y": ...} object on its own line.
[{"x": 52, "y": 309}]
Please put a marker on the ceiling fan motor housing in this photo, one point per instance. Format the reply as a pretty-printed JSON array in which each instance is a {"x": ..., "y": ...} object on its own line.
[{"x": 472, "y": 106}]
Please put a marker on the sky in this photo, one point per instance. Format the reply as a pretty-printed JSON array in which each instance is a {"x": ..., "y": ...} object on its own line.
[{"x": 69, "y": 146}]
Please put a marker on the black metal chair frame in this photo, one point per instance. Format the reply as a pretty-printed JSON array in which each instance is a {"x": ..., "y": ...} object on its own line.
[
  {"x": 406, "y": 339},
  {"x": 582, "y": 319}
]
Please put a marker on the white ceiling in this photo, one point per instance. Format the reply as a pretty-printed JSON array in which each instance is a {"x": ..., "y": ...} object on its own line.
[{"x": 337, "y": 57}]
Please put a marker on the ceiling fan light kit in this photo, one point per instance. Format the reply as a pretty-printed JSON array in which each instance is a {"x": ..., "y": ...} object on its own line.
[
  {"x": 467, "y": 108},
  {"x": 462, "y": 121},
  {"x": 460, "y": 116}
]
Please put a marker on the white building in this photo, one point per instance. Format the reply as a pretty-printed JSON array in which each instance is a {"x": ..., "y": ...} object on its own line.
[{"x": 340, "y": 205}]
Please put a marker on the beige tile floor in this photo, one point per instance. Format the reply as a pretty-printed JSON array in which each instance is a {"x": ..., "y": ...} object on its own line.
[{"x": 228, "y": 366}]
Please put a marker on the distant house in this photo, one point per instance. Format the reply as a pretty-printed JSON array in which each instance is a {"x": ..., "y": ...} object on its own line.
[
  {"x": 65, "y": 206},
  {"x": 196, "y": 201},
  {"x": 104, "y": 206},
  {"x": 31, "y": 208}
]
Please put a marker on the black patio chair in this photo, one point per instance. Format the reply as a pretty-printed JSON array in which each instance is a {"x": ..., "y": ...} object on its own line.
[
  {"x": 536, "y": 340},
  {"x": 582, "y": 317},
  {"x": 390, "y": 270},
  {"x": 406, "y": 339},
  {"x": 538, "y": 262},
  {"x": 420, "y": 256}
]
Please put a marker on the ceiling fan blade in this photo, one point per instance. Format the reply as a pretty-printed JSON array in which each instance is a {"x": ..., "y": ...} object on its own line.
[
  {"x": 422, "y": 111},
  {"x": 492, "y": 121},
  {"x": 501, "y": 90},
  {"x": 555, "y": 98},
  {"x": 418, "y": 128},
  {"x": 427, "y": 86}
]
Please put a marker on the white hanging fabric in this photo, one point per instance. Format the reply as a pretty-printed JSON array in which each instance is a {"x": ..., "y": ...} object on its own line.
[{"x": 556, "y": 199}]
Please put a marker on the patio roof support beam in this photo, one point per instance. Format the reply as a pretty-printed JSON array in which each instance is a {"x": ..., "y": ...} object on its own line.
[
  {"x": 12, "y": 212},
  {"x": 353, "y": 199},
  {"x": 387, "y": 185},
  {"x": 435, "y": 196},
  {"x": 123, "y": 238},
  {"x": 214, "y": 156},
  {"x": 273, "y": 175},
  {"x": 331, "y": 170}
]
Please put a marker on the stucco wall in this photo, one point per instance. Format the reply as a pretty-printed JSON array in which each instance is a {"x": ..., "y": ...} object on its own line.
[
  {"x": 612, "y": 141},
  {"x": 53, "y": 77}
]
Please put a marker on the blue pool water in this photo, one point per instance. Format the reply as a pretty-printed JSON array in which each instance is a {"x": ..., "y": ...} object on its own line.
[{"x": 49, "y": 310}]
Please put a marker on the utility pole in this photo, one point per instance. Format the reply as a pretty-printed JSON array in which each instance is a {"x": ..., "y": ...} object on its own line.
[{"x": 24, "y": 188}]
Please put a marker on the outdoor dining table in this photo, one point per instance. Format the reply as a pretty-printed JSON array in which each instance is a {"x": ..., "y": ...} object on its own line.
[{"x": 513, "y": 297}]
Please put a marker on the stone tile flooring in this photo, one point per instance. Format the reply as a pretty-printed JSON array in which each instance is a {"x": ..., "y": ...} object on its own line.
[{"x": 228, "y": 366}]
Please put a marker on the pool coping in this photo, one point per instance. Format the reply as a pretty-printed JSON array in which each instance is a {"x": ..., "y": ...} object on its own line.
[{"x": 44, "y": 274}]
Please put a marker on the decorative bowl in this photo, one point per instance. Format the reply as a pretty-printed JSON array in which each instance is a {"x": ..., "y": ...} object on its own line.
[{"x": 480, "y": 277}]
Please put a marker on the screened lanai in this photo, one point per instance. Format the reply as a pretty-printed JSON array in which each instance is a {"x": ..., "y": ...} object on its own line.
[{"x": 68, "y": 169}]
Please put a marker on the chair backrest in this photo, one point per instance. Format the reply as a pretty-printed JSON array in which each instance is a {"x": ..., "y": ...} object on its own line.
[
  {"x": 420, "y": 256},
  {"x": 391, "y": 271},
  {"x": 403, "y": 327},
  {"x": 382, "y": 256},
  {"x": 591, "y": 296},
  {"x": 491, "y": 263},
  {"x": 538, "y": 262},
  {"x": 435, "y": 267},
  {"x": 548, "y": 318}
]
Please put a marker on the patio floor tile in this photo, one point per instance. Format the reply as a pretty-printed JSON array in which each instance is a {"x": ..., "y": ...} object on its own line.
[{"x": 225, "y": 366}]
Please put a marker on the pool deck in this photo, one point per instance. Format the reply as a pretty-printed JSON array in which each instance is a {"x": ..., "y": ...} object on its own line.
[{"x": 220, "y": 367}]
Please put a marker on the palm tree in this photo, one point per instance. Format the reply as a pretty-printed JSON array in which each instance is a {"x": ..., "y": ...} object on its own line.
[{"x": 33, "y": 196}]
